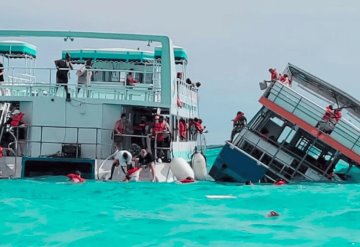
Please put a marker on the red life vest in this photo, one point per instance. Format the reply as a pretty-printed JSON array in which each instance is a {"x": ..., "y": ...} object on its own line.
[
  {"x": 16, "y": 119},
  {"x": 329, "y": 113},
  {"x": 75, "y": 178},
  {"x": 158, "y": 128},
  {"x": 1, "y": 152},
  {"x": 121, "y": 127},
  {"x": 182, "y": 130},
  {"x": 187, "y": 180},
  {"x": 132, "y": 170},
  {"x": 199, "y": 127},
  {"x": 274, "y": 75}
]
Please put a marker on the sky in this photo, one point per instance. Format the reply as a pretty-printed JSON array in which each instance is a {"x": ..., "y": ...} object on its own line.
[{"x": 231, "y": 44}]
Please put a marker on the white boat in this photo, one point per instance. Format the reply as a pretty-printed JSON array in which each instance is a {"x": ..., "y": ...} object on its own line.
[{"x": 72, "y": 132}]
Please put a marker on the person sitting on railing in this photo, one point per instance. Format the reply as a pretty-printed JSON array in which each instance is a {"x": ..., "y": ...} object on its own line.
[
  {"x": 329, "y": 119},
  {"x": 130, "y": 80},
  {"x": 274, "y": 74},
  {"x": 284, "y": 79},
  {"x": 63, "y": 67}
]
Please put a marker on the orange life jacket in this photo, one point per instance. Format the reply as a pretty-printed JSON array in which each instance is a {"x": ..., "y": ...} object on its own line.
[{"x": 182, "y": 130}]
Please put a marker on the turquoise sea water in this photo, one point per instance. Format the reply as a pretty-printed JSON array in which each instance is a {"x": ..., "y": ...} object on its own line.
[{"x": 53, "y": 212}]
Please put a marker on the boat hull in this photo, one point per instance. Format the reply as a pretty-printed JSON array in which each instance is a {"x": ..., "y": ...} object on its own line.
[{"x": 234, "y": 165}]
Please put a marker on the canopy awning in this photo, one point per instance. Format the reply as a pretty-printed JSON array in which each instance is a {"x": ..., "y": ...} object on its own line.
[
  {"x": 110, "y": 54},
  {"x": 180, "y": 53},
  {"x": 325, "y": 89},
  {"x": 17, "y": 49}
]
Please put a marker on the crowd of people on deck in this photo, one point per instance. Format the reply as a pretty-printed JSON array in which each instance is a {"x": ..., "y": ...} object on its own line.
[{"x": 125, "y": 135}]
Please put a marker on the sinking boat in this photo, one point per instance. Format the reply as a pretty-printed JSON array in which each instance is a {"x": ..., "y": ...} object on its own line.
[
  {"x": 68, "y": 131},
  {"x": 290, "y": 140}
]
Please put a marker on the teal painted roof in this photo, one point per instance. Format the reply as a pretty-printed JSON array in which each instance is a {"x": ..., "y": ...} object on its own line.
[
  {"x": 179, "y": 53},
  {"x": 115, "y": 54},
  {"x": 17, "y": 49}
]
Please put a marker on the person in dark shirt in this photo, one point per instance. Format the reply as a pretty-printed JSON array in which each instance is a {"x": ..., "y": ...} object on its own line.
[
  {"x": 146, "y": 159},
  {"x": 63, "y": 67},
  {"x": 2, "y": 77}
]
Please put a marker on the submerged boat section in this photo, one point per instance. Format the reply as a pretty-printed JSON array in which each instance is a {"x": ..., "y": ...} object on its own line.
[{"x": 291, "y": 138}]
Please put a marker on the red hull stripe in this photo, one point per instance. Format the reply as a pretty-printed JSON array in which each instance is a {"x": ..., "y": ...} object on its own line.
[{"x": 309, "y": 128}]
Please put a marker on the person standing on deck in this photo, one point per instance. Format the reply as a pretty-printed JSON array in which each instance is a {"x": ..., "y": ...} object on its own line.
[
  {"x": 63, "y": 67},
  {"x": 2, "y": 78},
  {"x": 122, "y": 127}
]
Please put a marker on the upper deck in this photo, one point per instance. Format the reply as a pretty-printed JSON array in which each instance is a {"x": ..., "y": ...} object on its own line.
[
  {"x": 300, "y": 110},
  {"x": 156, "y": 71}
]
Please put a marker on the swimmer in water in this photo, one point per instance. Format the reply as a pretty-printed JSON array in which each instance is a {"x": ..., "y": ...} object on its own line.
[{"x": 76, "y": 177}]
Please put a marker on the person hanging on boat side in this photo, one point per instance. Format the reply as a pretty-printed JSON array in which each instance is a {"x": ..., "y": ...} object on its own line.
[
  {"x": 18, "y": 129},
  {"x": 182, "y": 129},
  {"x": 239, "y": 122}
]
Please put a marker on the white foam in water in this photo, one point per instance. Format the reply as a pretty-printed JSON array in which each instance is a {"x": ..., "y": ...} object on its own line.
[{"x": 220, "y": 196}]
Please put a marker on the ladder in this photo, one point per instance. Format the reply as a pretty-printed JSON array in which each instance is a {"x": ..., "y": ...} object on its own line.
[{"x": 4, "y": 108}]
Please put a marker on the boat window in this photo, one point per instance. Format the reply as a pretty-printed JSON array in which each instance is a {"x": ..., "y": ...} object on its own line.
[
  {"x": 302, "y": 143},
  {"x": 286, "y": 135},
  {"x": 278, "y": 121},
  {"x": 314, "y": 152}
]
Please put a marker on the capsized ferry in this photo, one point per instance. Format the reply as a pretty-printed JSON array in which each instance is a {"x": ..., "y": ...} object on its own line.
[
  {"x": 289, "y": 139},
  {"x": 65, "y": 132}
]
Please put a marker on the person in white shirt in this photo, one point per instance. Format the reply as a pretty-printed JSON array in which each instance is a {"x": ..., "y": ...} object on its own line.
[{"x": 122, "y": 158}]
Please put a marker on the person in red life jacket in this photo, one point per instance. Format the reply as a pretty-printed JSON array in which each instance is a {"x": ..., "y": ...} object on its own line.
[
  {"x": 76, "y": 177},
  {"x": 141, "y": 129},
  {"x": 122, "y": 126},
  {"x": 157, "y": 131},
  {"x": 239, "y": 122},
  {"x": 18, "y": 127},
  {"x": 130, "y": 80},
  {"x": 187, "y": 180},
  {"x": 337, "y": 115},
  {"x": 146, "y": 160},
  {"x": 280, "y": 182},
  {"x": 182, "y": 129},
  {"x": 198, "y": 125},
  {"x": 273, "y": 214},
  {"x": 274, "y": 74}
]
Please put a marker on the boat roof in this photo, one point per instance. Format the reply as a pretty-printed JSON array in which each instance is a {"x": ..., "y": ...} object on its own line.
[
  {"x": 325, "y": 89},
  {"x": 110, "y": 54},
  {"x": 17, "y": 49},
  {"x": 179, "y": 53}
]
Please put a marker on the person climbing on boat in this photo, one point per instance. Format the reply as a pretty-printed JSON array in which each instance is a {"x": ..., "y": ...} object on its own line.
[
  {"x": 75, "y": 177},
  {"x": 146, "y": 160},
  {"x": 239, "y": 122},
  {"x": 123, "y": 159}
]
